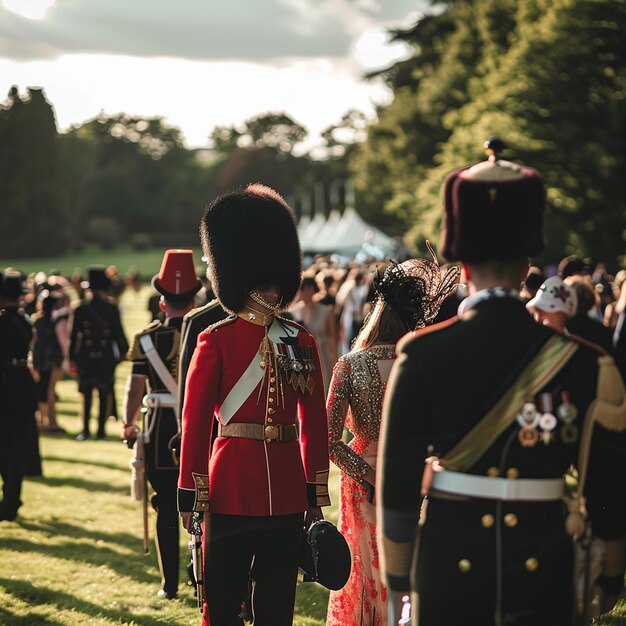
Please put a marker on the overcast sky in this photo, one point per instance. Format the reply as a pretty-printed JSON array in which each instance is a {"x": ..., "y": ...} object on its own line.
[{"x": 201, "y": 63}]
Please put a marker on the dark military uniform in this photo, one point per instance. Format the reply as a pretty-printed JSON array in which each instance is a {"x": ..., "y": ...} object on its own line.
[
  {"x": 492, "y": 546},
  {"x": 160, "y": 428},
  {"x": 19, "y": 440},
  {"x": 194, "y": 323},
  {"x": 97, "y": 345},
  {"x": 463, "y": 539}
]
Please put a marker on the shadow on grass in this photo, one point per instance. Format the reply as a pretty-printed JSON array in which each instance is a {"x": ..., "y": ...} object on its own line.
[
  {"x": 80, "y": 483},
  {"x": 56, "y": 528},
  {"x": 59, "y": 459},
  {"x": 42, "y": 596},
  {"x": 7, "y": 617},
  {"x": 136, "y": 567}
]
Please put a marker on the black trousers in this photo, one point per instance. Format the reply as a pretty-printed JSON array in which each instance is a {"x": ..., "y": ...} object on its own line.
[
  {"x": 164, "y": 483},
  {"x": 264, "y": 549}
]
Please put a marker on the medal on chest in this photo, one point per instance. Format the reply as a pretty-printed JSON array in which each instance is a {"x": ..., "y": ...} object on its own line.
[
  {"x": 567, "y": 413},
  {"x": 547, "y": 420},
  {"x": 528, "y": 418},
  {"x": 296, "y": 362}
]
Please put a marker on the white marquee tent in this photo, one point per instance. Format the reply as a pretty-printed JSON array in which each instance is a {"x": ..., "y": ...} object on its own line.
[{"x": 346, "y": 234}]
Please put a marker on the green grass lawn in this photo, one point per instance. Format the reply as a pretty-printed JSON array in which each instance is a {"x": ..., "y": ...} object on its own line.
[
  {"x": 74, "y": 556},
  {"x": 147, "y": 262}
]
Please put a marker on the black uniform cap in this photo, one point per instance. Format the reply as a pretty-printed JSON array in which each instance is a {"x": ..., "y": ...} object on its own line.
[{"x": 493, "y": 211}]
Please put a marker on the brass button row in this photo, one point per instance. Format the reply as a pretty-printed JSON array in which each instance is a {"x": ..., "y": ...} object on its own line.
[
  {"x": 531, "y": 564},
  {"x": 512, "y": 473},
  {"x": 488, "y": 520}
]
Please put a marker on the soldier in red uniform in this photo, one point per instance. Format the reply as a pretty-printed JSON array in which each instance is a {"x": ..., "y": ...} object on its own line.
[{"x": 265, "y": 476}]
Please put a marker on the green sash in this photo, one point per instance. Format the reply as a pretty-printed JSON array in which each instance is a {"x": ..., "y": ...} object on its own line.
[{"x": 548, "y": 362}]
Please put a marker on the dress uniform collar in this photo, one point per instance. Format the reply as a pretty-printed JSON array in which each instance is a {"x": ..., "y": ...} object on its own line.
[
  {"x": 485, "y": 294},
  {"x": 254, "y": 316}
]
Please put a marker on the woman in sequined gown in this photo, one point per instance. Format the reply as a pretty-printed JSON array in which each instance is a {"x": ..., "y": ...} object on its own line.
[{"x": 408, "y": 296}]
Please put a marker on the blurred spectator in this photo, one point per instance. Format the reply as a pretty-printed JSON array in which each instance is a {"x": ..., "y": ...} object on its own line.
[
  {"x": 613, "y": 309},
  {"x": 50, "y": 354},
  {"x": 133, "y": 279},
  {"x": 553, "y": 304},
  {"x": 117, "y": 284},
  {"x": 352, "y": 300},
  {"x": 572, "y": 265},
  {"x": 534, "y": 279},
  {"x": 319, "y": 320},
  {"x": 582, "y": 324}
]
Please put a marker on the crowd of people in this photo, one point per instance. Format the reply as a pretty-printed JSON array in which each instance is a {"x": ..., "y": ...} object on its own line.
[{"x": 452, "y": 397}]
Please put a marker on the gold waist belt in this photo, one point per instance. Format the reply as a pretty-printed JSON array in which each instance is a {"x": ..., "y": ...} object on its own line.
[{"x": 270, "y": 433}]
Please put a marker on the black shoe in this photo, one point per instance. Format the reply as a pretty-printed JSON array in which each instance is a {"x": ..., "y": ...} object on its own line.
[
  {"x": 101, "y": 434},
  {"x": 82, "y": 436},
  {"x": 161, "y": 593},
  {"x": 7, "y": 515}
]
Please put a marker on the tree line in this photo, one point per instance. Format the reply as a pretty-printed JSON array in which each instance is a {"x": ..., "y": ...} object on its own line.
[{"x": 547, "y": 76}]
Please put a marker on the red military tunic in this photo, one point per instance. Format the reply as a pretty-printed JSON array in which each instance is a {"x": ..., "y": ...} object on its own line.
[{"x": 248, "y": 476}]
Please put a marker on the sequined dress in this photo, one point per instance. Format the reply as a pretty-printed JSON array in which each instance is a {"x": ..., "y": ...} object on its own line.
[{"x": 355, "y": 401}]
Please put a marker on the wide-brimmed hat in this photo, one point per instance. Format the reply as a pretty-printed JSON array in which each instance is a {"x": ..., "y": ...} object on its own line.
[
  {"x": 554, "y": 296},
  {"x": 177, "y": 280}
]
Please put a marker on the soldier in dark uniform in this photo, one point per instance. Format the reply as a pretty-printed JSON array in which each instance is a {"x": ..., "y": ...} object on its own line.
[
  {"x": 263, "y": 477},
  {"x": 97, "y": 345},
  {"x": 194, "y": 323},
  {"x": 154, "y": 354},
  {"x": 496, "y": 404},
  {"x": 19, "y": 440}
]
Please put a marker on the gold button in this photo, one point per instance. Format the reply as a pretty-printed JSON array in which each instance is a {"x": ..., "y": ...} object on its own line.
[
  {"x": 271, "y": 399},
  {"x": 465, "y": 565},
  {"x": 512, "y": 473},
  {"x": 272, "y": 380},
  {"x": 510, "y": 519},
  {"x": 269, "y": 419},
  {"x": 272, "y": 389},
  {"x": 493, "y": 472},
  {"x": 271, "y": 411},
  {"x": 487, "y": 520},
  {"x": 532, "y": 564}
]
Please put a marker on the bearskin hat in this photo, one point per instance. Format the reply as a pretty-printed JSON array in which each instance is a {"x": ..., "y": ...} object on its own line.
[
  {"x": 493, "y": 211},
  {"x": 250, "y": 239}
]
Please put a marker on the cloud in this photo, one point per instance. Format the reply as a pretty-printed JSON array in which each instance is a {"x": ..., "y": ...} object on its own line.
[
  {"x": 195, "y": 96},
  {"x": 196, "y": 29}
]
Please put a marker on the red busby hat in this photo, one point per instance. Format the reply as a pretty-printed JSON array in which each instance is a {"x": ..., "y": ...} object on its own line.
[
  {"x": 177, "y": 280},
  {"x": 493, "y": 211},
  {"x": 250, "y": 239}
]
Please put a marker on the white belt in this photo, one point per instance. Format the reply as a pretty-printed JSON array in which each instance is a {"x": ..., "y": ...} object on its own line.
[
  {"x": 497, "y": 488},
  {"x": 155, "y": 400}
]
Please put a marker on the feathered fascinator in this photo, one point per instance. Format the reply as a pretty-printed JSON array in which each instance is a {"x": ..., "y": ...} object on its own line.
[{"x": 416, "y": 288}]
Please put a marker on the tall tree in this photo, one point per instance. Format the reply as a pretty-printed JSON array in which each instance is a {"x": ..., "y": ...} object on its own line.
[{"x": 33, "y": 221}]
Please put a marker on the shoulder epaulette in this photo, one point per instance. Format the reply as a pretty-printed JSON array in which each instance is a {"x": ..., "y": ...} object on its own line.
[
  {"x": 135, "y": 353},
  {"x": 201, "y": 309},
  {"x": 227, "y": 320},
  {"x": 296, "y": 324},
  {"x": 427, "y": 330}
]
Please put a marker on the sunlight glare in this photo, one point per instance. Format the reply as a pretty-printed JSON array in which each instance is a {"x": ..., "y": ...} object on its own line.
[
  {"x": 373, "y": 50},
  {"x": 30, "y": 9}
]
